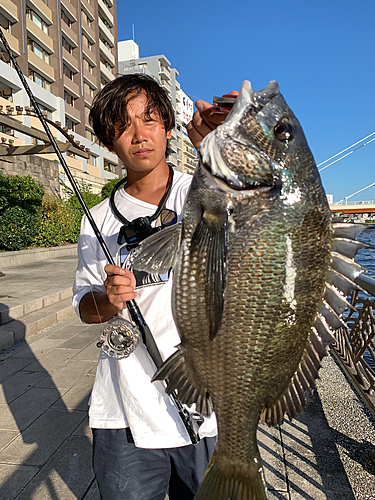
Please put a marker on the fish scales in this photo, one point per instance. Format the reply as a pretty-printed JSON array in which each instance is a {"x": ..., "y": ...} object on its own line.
[{"x": 251, "y": 258}]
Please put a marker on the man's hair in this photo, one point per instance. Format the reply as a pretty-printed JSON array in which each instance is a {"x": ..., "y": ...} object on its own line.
[{"x": 108, "y": 115}]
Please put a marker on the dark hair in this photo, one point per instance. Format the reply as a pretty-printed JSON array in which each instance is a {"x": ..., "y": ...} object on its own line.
[{"x": 108, "y": 114}]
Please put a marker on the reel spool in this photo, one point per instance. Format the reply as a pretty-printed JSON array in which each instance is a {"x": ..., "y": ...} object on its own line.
[{"x": 119, "y": 339}]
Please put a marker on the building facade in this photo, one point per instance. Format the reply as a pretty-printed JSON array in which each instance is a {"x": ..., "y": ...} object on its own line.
[
  {"x": 68, "y": 49},
  {"x": 183, "y": 156}
]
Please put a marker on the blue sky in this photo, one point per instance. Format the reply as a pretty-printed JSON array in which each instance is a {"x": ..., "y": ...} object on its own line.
[{"x": 320, "y": 52}]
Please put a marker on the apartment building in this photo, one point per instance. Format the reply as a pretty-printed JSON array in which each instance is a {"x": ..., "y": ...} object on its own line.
[
  {"x": 183, "y": 156},
  {"x": 68, "y": 50}
]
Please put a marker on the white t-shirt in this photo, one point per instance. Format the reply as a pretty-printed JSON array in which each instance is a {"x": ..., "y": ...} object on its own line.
[{"x": 123, "y": 395}]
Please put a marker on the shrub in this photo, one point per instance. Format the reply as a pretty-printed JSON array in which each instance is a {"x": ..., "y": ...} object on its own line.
[
  {"x": 23, "y": 192},
  {"x": 56, "y": 222},
  {"x": 108, "y": 187},
  {"x": 77, "y": 212},
  {"x": 18, "y": 228}
]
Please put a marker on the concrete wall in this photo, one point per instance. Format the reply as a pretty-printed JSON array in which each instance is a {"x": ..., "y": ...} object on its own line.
[{"x": 40, "y": 169}]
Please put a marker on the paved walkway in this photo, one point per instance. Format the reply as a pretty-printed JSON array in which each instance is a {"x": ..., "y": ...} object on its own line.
[{"x": 45, "y": 444}]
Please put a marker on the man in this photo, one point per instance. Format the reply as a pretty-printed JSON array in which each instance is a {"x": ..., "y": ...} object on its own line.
[{"x": 140, "y": 445}]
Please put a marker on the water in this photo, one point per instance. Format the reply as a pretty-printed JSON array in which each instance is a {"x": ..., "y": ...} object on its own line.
[{"x": 366, "y": 257}]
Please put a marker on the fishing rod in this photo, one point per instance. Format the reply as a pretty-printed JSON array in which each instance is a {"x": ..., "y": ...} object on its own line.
[{"x": 114, "y": 340}]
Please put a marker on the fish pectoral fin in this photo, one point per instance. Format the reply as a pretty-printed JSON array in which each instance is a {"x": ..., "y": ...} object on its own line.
[
  {"x": 293, "y": 401},
  {"x": 174, "y": 371},
  {"x": 157, "y": 253},
  {"x": 209, "y": 247}
]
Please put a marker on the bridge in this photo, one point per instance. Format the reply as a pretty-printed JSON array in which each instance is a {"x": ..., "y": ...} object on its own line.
[{"x": 353, "y": 207}]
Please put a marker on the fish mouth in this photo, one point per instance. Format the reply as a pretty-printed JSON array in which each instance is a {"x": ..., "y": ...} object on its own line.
[
  {"x": 211, "y": 158},
  {"x": 234, "y": 183}
]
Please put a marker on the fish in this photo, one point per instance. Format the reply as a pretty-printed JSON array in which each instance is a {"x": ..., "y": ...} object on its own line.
[{"x": 261, "y": 276}]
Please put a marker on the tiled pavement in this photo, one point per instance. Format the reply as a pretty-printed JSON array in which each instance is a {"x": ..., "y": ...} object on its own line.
[{"x": 45, "y": 444}]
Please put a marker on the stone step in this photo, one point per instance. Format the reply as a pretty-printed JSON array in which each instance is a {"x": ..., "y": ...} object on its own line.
[
  {"x": 33, "y": 322},
  {"x": 8, "y": 314}
]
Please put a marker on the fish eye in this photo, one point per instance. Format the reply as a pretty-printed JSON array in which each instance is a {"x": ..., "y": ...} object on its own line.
[{"x": 283, "y": 131}]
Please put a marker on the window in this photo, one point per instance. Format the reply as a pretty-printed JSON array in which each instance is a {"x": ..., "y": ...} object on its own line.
[
  {"x": 105, "y": 22},
  {"x": 92, "y": 160},
  {"x": 66, "y": 19},
  {"x": 6, "y": 130},
  {"x": 88, "y": 66},
  {"x": 88, "y": 89},
  {"x": 46, "y": 112},
  {"x": 38, "y": 50},
  {"x": 87, "y": 42},
  {"x": 86, "y": 18},
  {"x": 87, "y": 111},
  {"x": 89, "y": 135},
  {"x": 39, "y": 80},
  {"x": 68, "y": 98},
  {"x": 67, "y": 45},
  {"x": 106, "y": 63},
  {"x": 110, "y": 167},
  {"x": 6, "y": 94},
  {"x": 36, "y": 19},
  {"x": 105, "y": 42},
  {"x": 68, "y": 72},
  {"x": 70, "y": 125}
]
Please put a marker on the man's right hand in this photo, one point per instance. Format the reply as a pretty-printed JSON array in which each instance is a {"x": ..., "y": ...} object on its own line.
[
  {"x": 99, "y": 307},
  {"x": 120, "y": 285}
]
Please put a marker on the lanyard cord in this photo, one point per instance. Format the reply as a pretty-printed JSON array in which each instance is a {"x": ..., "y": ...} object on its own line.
[{"x": 161, "y": 205}]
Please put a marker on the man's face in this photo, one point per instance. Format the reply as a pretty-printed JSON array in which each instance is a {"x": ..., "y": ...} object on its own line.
[{"x": 142, "y": 145}]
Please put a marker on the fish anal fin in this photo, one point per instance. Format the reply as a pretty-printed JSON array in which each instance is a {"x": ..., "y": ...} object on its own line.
[
  {"x": 174, "y": 371},
  {"x": 293, "y": 399},
  {"x": 209, "y": 247}
]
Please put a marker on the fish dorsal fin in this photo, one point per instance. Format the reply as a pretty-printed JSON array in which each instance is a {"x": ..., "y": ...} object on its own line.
[
  {"x": 189, "y": 392},
  {"x": 348, "y": 247},
  {"x": 344, "y": 230},
  {"x": 157, "y": 253},
  {"x": 343, "y": 270},
  {"x": 293, "y": 400},
  {"x": 209, "y": 249}
]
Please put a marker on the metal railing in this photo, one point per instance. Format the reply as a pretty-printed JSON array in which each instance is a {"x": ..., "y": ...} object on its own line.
[{"x": 355, "y": 344}]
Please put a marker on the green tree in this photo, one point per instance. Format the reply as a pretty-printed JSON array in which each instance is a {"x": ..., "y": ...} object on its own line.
[{"x": 108, "y": 187}]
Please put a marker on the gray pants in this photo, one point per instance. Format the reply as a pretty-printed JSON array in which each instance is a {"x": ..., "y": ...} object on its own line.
[{"x": 125, "y": 472}]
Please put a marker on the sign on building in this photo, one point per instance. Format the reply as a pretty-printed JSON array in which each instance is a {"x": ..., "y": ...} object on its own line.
[{"x": 187, "y": 108}]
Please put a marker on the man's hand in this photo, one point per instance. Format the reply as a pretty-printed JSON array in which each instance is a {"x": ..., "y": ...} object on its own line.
[
  {"x": 205, "y": 119},
  {"x": 99, "y": 307},
  {"x": 120, "y": 285}
]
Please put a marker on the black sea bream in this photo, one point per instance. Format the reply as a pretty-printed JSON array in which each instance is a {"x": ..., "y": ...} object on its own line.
[{"x": 260, "y": 277}]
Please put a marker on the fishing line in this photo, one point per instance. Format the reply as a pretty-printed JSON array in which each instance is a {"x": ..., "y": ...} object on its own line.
[
  {"x": 115, "y": 339},
  {"x": 346, "y": 149}
]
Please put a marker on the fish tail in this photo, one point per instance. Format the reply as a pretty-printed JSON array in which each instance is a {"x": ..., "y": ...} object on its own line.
[{"x": 232, "y": 485}]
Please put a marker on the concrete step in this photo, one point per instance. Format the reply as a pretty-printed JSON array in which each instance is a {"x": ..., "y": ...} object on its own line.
[
  {"x": 33, "y": 322},
  {"x": 10, "y": 313}
]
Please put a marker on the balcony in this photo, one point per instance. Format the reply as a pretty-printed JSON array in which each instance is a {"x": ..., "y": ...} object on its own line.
[
  {"x": 38, "y": 35},
  {"x": 69, "y": 34},
  {"x": 102, "y": 6},
  {"x": 9, "y": 10},
  {"x": 90, "y": 78},
  {"x": 88, "y": 8},
  {"x": 69, "y": 9},
  {"x": 71, "y": 86},
  {"x": 107, "y": 54},
  {"x": 73, "y": 113},
  {"x": 71, "y": 61},
  {"x": 40, "y": 66},
  {"x": 13, "y": 43},
  {"x": 41, "y": 8},
  {"x": 88, "y": 31},
  {"x": 90, "y": 55},
  {"x": 106, "y": 72},
  {"x": 106, "y": 33}
]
